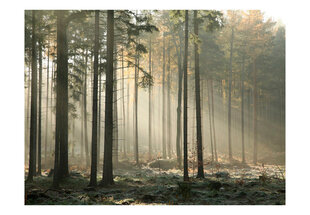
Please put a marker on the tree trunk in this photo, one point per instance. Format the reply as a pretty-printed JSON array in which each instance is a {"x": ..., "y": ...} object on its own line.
[
  {"x": 123, "y": 105},
  {"x": 40, "y": 108},
  {"x": 164, "y": 101},
  {"x": 33, "y": 117},
  {"x": 136, "y": 109},
  {"x": 242, "y": 112},
  {"x": 214, "y": 136},
  {"x": 210, "y": 120},
  {"x": 180, "y": 79},
  {"x": 229, "y": 96},
  {"x": 46, "y": 109},
  {"x": 185, "y": 165},
  {"x": 93, "y": 174},
  {"x": 198, "y": 110},
  {"x": 115, "y": 112},
  {"x": 254, "y": 113},
  {"x": 107, "y": 177},
  {"x": 150, "y": 100},
  {"x": 85, "y": 111},
  {"x": 61, "y": 136},
  {"x": 169, "y": 101}
]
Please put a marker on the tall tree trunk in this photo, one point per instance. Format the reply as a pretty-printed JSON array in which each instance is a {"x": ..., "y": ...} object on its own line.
[
  {"x": 115, "y": 112},
  {"x": 99, "y": 117},
  {"x": 123, "y": 105},
  {"x": 180, "y": 79},
  {"x": 150, "y": 100},
  {"x": 33, "y": 117},
  {"x": 169, "y": 101},
  {"x": 242, "y": 111},
  {"x": 214, "y": 136},
  {"x": 61, "y": 136},
  {"x": 254, "y": 113},
  {"x": 93, "y": 174},
  {"x": 107, "y": 177},
  {"x": 82, "y": 129},
  {"x": 164, "y": 101},
  {"x": 136, "y": 109},
  {"x": 40, "y": 108},
  {"x": 229, "y": 96},
  {"x": 85, "y": 111},
  {"x": 46, "y": 109},
  {"x": 185, "y": 165},
  {"x": 198, "y": 110},
  {"x": 210, "y": 119}
]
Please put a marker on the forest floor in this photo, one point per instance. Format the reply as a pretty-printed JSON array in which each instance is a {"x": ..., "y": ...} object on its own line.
[{"x": 161, "y": 183}]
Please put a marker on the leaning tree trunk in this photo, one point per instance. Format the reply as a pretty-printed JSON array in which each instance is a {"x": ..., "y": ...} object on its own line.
[
  {"x": 198, "y": 110},
  {"x": 185, "y": 165},
  {"x": 107, "y": 177},
  {"x": 33, "y": 117},
  {"x": 93, "y": 174}
]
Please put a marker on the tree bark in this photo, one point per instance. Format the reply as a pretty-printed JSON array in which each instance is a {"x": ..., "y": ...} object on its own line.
[
  {"x": 198, "y": 107},
  {"x": 229, "y": 96},
  {"x": 107, "y": 177},
  {"x": 33, "y": 117},
  {"x": 185, "y": 165},
  {"x": 93, "y": 174},
  {"x": 150, "y": 100},
  {"x": 40, "y": 108}
]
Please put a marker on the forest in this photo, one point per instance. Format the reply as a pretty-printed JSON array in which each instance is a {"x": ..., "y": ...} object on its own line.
[{"x": 154, "y": 107}]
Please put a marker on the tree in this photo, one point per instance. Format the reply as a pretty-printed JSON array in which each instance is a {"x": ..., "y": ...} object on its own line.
[
  {"x": 93, "y": 175},
  {"x": 107, "y": 178},
  {"x": 185, "y": 165},
  {"x": 197, "y": 94},
  {"x": 33, "y": 119}
]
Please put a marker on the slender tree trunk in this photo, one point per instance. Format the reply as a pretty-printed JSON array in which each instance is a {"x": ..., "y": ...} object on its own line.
[
  {"x": 93, "y": 174},
  {"x": 136, "y": 109},
  {"x": 169, "y": 101},
  {"x": 85, "y": 111},
  {"x": 82, "y": 129},
  {"x": 254, "y": 113},
  {"x": 229, "y": 96},
  {"x": 150, "y": 100},
  {"x": 198, "y": 110},
  {"x": 242, "y": 112},
  {"x": 33, "y": 117},
  {"x": 185, "y": 165},
  {"x": 115, "y": 112},
  {"x": 40, "y": 109},
  {"x": 123, "y": 105},
  {"x": 210, "y": 119},
  {"x": 46, "y": 109},
  {"x": 99, "y": 118},
  {"x": 107, "y": 177},
  {"x": 179, "y": 107},
  {"x": 164, "y": 101},
  {"x": 214, "y": 135}
]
